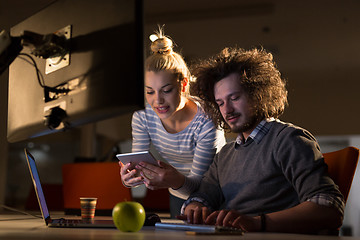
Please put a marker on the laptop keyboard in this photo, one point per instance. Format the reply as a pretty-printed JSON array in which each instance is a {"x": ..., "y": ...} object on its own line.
[
  {"x": 73, "y": 221},
  {"x": 67, "y": 222}
]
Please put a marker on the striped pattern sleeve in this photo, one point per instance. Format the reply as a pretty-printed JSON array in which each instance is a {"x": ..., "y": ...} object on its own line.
[
  {"x": 140, "y": 133},
  {"x": 209, "y": 139}
]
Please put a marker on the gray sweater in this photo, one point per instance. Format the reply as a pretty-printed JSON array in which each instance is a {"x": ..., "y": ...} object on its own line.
[{"x": 285, "y": 168}]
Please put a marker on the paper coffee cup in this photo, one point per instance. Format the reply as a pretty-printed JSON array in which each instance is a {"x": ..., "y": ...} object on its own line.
[{"x": 88, "y": 206}]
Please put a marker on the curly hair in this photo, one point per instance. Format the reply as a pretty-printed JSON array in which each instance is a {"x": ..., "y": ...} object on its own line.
[{"x": 258, "y": 76}]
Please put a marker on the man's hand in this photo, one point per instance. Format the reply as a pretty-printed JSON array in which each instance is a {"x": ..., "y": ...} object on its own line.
[
  {"x": 195, "y": 213},
  {"x": 233, "y": 218}
]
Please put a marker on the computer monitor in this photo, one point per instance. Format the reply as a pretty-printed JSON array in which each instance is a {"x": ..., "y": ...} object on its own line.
[{"x": 104, "y": 71}]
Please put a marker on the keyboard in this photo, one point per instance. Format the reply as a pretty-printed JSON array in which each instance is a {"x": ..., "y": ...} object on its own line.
[
  {"x": 199, "y": 228},
  {"x": 69, "y": 221}
]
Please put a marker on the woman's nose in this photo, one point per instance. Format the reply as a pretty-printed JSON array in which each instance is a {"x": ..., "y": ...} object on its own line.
[{"x": 159, "y": 98}]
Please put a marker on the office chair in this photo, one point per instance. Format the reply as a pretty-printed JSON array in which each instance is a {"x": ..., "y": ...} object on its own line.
[{"x": 341, "y": 167}]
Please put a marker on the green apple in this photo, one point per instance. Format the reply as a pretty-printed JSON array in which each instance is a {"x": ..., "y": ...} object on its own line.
[{"x": 128, "y": 216}]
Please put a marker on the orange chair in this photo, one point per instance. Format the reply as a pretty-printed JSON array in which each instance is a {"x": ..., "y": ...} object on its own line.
[
  {"x": 101, "y": 180},
  {"x": 342, "y": 166}
]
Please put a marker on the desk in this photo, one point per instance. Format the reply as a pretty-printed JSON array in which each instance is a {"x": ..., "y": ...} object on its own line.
[{"x": 18, "y": 227}]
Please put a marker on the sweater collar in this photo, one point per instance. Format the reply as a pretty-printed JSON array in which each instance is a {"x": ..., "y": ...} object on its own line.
[{"x": 258, "y": 133}]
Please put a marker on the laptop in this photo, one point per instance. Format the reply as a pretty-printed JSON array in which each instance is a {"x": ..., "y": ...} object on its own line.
[{"x": 62, "y": 222}]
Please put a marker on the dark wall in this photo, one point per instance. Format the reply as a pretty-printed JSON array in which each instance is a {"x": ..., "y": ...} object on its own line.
[{"x": 315, "y": 44}]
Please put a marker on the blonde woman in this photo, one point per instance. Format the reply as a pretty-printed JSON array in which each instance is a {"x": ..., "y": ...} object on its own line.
[{"x": 175, "y": 124}]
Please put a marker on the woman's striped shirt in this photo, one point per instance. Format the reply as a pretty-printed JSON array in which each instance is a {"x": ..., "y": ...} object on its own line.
[{"x": 190, "y": 151}]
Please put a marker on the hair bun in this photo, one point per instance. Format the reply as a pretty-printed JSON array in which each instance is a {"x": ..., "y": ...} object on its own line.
[{"x": 162, "y": 45}]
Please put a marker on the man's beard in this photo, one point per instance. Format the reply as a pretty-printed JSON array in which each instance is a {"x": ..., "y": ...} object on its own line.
[{"x": 249, "y": 124}]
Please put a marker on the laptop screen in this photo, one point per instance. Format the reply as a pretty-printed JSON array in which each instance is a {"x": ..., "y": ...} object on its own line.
[{"x": 37, "y": 185}]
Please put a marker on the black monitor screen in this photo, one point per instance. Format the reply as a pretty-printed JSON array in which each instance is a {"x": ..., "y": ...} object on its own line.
[{"x": 104, "y": 72}]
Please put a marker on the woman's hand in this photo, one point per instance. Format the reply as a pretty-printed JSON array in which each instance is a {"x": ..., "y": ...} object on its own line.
[
  {"x": 129, "y": 175},
  {"x": 162, "y": 176}
]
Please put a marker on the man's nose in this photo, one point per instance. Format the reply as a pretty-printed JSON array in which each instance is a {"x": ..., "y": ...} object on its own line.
[{"x": 228, "y": 107}]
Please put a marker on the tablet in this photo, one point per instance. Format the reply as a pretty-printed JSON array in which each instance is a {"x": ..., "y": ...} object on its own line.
[{"x": 137, "y": 157}]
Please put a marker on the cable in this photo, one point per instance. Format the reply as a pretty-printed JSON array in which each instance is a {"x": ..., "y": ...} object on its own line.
[
  {"x": 19, "y": 211},
  {"x": 38, "y": 73},
  {"x": 40, "y": 77}
]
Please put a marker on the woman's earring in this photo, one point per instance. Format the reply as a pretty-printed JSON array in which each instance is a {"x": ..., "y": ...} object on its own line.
[{"x": 184, "y": 84}]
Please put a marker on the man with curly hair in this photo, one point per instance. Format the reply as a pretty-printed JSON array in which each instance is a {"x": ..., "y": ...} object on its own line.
[{"x": 273, "y": 177}]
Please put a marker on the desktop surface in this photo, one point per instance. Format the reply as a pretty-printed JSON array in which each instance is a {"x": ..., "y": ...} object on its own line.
[{"x": 14, "y": 227}]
